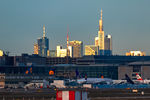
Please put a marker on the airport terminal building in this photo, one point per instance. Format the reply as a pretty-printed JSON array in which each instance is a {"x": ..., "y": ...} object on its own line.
[{"x": 114, "y": 67}]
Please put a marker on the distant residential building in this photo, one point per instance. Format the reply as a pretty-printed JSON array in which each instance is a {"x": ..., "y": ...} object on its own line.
[
  {"x": 35, "y": 48},
  {"x": 135, "y": 53},
  {"x": 91, "y": 50},
  {"x": 77, "y": 48},
  {"x": 63, "y": 52},
  {"x": 108, "y": 45},
  {"x": 43, "y": 44}
]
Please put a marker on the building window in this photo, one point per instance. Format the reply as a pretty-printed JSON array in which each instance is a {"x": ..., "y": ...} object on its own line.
[{"x": 136, "y": 68}]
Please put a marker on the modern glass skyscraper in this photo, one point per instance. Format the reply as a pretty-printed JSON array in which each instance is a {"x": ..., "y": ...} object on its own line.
[
  {"x": 108, "y": 45},
  {"x": 43, "y": 44}
]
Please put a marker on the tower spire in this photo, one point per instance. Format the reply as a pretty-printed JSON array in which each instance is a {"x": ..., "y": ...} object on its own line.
[
  {"x": 43, "y": 30},
  {"x": 101, "y": 14},
  {"x": 101, "y": 22}
]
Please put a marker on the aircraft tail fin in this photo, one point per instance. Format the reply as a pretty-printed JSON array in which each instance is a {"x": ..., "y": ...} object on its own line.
[
  {"x": 138, "y": 77},
  {"x": 128, "y": 79}
]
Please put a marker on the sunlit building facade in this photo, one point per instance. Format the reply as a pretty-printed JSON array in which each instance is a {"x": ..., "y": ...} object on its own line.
[
  {"x": 135, "y": 53},
  {"x": 91, "y": 50},
  {"x": 77, "y": 48},
  {"x": 63, "y": 52},
  {"x": 96, "y": 41},
  {"x": 101, "y": 36},
  {"x": 35, "y": 48},
  {"x": 1, "y": 53}
]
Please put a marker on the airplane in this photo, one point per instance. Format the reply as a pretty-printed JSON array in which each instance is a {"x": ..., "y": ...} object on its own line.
[
  {"x": 128, "y": 79},
  {"x": 139, "y": 79},
  {"x": 94, "y": 80}
]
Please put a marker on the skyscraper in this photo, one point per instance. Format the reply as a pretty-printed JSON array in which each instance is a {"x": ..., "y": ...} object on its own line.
[
  {"x": 77, "y": 48},
  {"x": 35, "y": 48},
  {"x": 108, "y": 45},
  {"x": 100, "y": 38},
  {"x": 43, "y": 44}
]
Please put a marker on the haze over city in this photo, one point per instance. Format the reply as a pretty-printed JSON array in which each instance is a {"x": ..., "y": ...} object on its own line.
[{"x": 21, "y": 23}]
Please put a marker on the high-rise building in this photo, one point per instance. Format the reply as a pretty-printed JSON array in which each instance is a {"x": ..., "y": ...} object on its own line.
[
  {"x": 43, "y": 44},
  {"x": 63, "y": 52},
  {"x": 35, "y": 48},
  {"x": 77, "y": 48},
  {"x": 91, "y": 50},
  {"x": 108, "y": 45},
  {"x": 99, "y": 41},
  {"x": 101, "y": 36}
]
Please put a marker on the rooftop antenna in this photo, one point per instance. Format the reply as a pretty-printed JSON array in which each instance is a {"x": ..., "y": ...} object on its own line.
[{"x": 43, "y": 31}]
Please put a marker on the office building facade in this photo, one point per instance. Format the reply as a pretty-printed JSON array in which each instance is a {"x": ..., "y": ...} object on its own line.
[
  {"x": 77, "y": 48},
  {"x": 108, "y": 45},
  {"x": 36, "y": 49},
  {"x": 63, "y": 52},
  {"x": 91, "y": 50}
]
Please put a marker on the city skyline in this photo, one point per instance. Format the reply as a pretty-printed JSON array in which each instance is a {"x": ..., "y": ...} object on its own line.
[{"x": 22, "y": 21}]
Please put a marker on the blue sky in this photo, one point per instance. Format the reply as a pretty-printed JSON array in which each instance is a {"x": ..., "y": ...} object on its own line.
[{"x": 21, "y": 21}]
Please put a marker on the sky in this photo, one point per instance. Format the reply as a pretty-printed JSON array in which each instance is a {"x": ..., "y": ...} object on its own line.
[{"x": 21, "y": 22}]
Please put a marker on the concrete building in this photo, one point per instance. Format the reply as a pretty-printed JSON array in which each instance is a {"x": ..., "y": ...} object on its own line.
[
  {"x": 43, "y": 44},
  {"x": 63, "y": 52},
  {"x": 108, "y": 45},
  {"x": 77, "y": 48},
  {"x": 140, "y": 67},
  {"x": 135, "y": 53},
  {"x": 91, "y": 50}
]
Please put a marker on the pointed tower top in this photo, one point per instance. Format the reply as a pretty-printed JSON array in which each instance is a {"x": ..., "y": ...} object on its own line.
[
  {"x": 101, "y": 13},
  {"x": 43, "y": 30},
  {"x": 101, "y": 22}
]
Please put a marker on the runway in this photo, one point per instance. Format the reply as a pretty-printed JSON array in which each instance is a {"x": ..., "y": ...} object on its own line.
[{"x": 93, "y": 94}]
